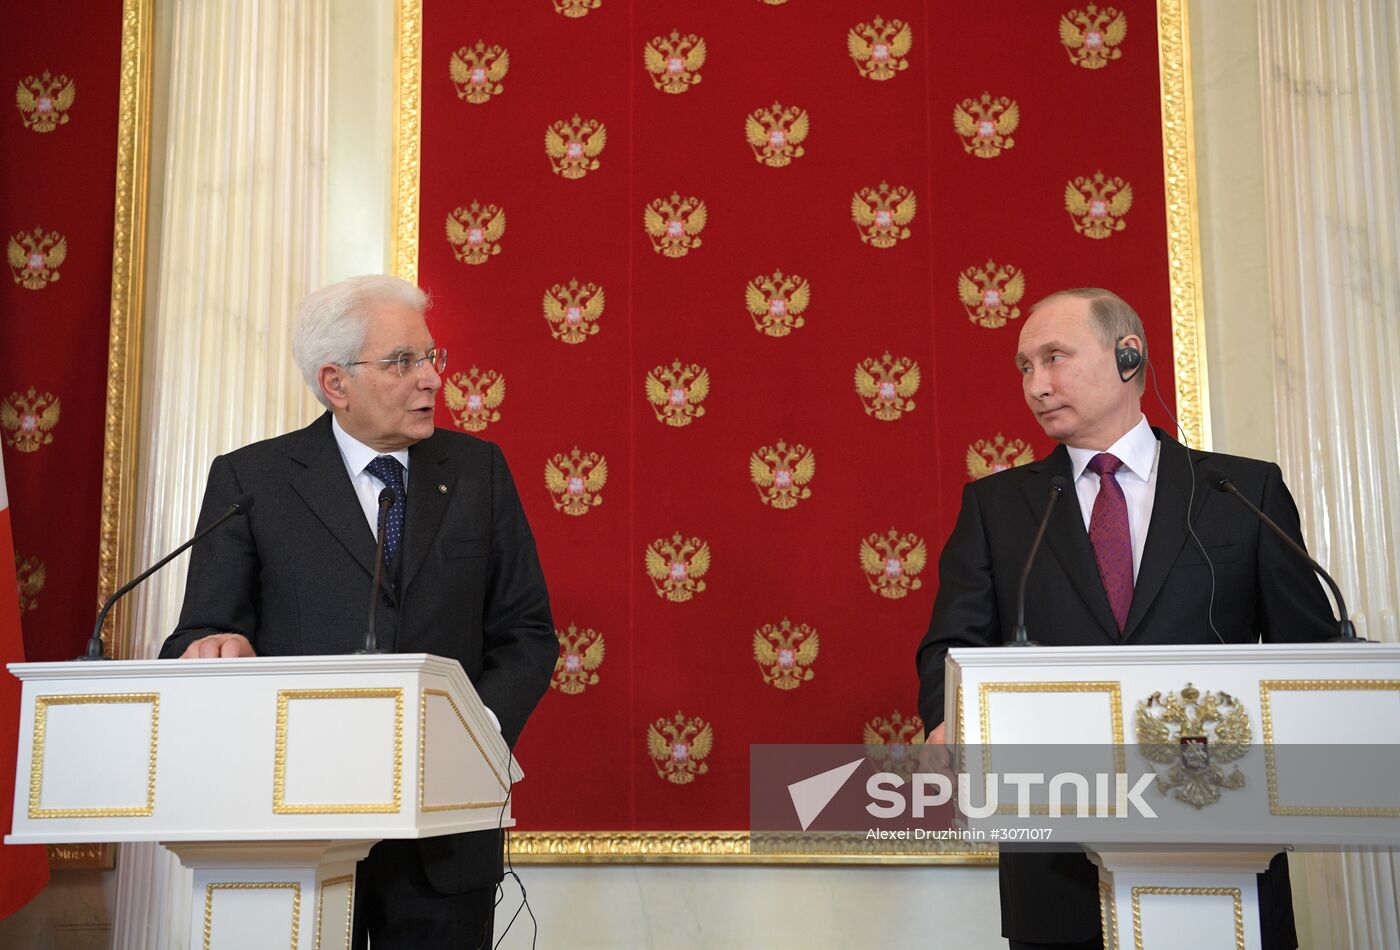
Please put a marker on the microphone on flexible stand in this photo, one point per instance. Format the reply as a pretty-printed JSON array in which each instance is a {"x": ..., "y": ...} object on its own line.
[
  {"x": 1346, "y": 631},
  {"x": 1058, "y": 484},
  {"x": 240, "y": 506},
  {"x": 386, "y": 501}
]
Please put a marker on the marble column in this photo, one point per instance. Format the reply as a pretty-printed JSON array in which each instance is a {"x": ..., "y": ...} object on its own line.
[
  {"x": 1330, "y": 82},
  {"x": 237, "y": 215}
]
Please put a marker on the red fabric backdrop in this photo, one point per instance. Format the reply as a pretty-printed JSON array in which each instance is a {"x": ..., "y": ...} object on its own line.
[
  {"x": 607, "y": 754},
  {"x": 60, "y": 178}
]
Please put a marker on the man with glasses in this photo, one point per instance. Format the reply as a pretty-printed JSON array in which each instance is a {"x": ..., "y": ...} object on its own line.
[{"x": 461, "y": 577}]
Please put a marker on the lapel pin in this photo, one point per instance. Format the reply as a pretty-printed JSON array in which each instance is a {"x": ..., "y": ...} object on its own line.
[{"x": 442, "y": 489}]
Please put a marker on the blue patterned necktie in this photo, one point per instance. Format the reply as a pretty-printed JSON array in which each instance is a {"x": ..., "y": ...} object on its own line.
[{"x": 389, "y": 470}]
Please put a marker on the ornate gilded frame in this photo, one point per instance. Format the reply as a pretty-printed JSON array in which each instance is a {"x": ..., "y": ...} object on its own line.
[
  {"x": 124, "y": 371},
  {"x": 120, "y": 444},
  {"x": 1192, "y": 399}
]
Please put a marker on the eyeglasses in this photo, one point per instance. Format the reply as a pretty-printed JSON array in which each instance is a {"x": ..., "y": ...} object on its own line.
[{"x": 407, "y": 363}]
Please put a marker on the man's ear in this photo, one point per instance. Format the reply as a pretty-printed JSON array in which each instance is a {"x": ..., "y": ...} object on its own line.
[{"x": 333, "y": 385}]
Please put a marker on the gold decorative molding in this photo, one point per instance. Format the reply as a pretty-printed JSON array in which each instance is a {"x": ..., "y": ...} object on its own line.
[
  {"x": 712, "y": 847},
  {"x": 1268, "y": 687},
  {"x": 1189, "y": 357},
  {"x": 209, "y": 890},
  {"x": 1115, "y": 701},
  {"x": 349, "y": 907},
  {"x": 423, "y": 756},
  {"x": 36, "y": 762},
  {"x": 1231, "y": 892},
  {"x": 279, "y": 767},
  {"x": 1183, "y": 225},
  {"x": 120, "y": 437},
  {"x": 408, "y": 96},
  {"x": 1108, "y": 915}
]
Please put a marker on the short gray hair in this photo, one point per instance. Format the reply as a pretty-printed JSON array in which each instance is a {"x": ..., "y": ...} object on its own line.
[
  {"x": 332, "y": 323},
  {"x": 1112, "y": 317}
]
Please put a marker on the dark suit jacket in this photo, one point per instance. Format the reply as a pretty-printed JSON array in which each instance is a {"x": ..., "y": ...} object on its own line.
[
  {"x": 1261, "y": 590},
  {"x": 294, "y": 577}
]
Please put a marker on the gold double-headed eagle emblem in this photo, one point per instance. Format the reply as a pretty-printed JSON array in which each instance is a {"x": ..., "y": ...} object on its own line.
[
  {"x": 785, "y": 653},
  {"x": 1195, "y": 734},
  {"x": 28, "y": 419},
  {"x": 677, "y": 567},
  {"x": 474, "y": 398},
  {"x": 879, "y": 47},
  {"x": 30, "y": 575},
  {"x": 573, "y": 310},
  {"x": 574, "y": 9},
  {"x": 989, "y": 456},
  {"x": 35, "y": 257},
  {"x": 580, "y": 655},
  {"x": 882, "y": 214},
  {"x": 985, "y": 125},
  {"x": 674, "y": 224},
  {"x": 1091, "y": 36},
  {"x": 886, "y": 386},
  {"x": 43, "y": 101},
  {"x": 892, "y": 562},
  {"x": 475, "y": 232},
  {"x": 573, "y": 146},
  {"x": 674, "y": 61},
  {"x": 777, "y": 301},
  {"x": 676, "y": 391},
  {"x": 678, "y": 747},
  {"x": 576, "y": 481},
  {"x": 776, "y": 134},
  {"x": 990, "y": 293},
  {"x": 782, "y": 473},
  {"x": 1098, "y": 205},
  {"x": 477, "y": 71},
  {"x": 894, "y": 729}
]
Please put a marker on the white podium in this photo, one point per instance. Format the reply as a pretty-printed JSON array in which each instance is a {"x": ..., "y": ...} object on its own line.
[
  {"x": 268, "y": 776},
  {"x": 1243, "y": 751}
]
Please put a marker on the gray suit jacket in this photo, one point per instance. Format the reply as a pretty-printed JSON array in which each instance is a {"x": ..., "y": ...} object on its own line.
[{"x": 294, "y": 577}]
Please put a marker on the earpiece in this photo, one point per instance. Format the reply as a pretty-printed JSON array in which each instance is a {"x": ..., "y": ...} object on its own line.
[{"x": 1129, "y": 359}]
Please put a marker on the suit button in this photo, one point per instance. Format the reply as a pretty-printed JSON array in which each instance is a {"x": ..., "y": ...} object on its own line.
[{"x": 388, "y": 601}]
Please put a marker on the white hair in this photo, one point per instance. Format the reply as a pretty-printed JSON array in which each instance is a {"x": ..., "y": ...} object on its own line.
[{"x": 332, "y": 323}]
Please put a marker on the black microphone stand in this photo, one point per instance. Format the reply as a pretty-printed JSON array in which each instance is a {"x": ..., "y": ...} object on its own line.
[
  {"x": 386, "y": 501},
  {"x": 1020, "y": 639},
  {"x": 241, "y": 506},
  {"x": 1346, "y": 630}
]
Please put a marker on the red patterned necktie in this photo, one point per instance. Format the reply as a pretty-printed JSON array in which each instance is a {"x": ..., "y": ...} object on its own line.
[{"x": 1108, "y": 532}]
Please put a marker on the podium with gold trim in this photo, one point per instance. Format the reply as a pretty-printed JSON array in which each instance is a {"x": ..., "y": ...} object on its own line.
[
  {"x": 1239, "y": 752},
  {"x": 268, "y": 776}
]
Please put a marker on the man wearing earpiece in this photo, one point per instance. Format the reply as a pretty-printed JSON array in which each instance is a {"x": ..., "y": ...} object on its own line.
[{"x": 1118, "y": 566}]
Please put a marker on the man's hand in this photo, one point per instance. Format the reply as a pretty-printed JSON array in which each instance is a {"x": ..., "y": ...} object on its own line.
[
  {"x": 218, "y": 645},
  {"x": 937, "y": 753}
]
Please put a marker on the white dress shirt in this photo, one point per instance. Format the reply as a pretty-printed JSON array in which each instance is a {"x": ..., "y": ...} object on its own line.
[
  {"x": 356, "y": 455},
  {"x": 1138, "y": 450}
]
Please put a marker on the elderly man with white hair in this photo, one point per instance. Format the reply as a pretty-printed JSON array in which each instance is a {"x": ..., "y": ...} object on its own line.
[{"x": 462, "y": 577}]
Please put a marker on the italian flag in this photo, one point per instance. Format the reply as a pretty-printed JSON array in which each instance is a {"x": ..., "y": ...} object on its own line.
[{"x": 23, "y": 870}]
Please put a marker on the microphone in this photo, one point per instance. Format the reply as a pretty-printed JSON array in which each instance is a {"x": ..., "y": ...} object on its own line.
[
  {"x": 1346, "y": 631},
  {"x": 241, "y": 506},
  {"x": 386, "y": 501},
  {"x": 1058, "y": 484}
]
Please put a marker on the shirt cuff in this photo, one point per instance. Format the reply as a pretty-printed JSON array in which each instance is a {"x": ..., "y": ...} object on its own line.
[{"x": 494, "y": 721}]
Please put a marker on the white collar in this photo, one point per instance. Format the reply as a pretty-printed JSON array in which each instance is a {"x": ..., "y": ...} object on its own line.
[
  {"x": 1137, "y": 449},
  {"x": 356, "y": 454}
]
